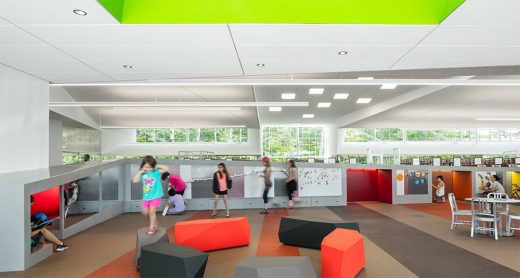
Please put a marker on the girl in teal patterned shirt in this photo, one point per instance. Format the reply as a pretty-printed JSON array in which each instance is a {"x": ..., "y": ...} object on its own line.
[{"x": 150, "y": 175}]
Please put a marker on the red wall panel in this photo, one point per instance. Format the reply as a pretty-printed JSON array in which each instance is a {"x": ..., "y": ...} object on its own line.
[
  {"x": 47, "y": 201},
  {"x": 384, "y": 183},
  {"x": 362, "y": 185}
]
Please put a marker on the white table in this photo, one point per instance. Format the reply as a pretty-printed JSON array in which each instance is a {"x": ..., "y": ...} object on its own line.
[{"x": 493, "y": 201}]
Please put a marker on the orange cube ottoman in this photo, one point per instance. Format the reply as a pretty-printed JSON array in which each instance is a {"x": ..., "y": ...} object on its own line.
[
  {"x": 213, "y": 234},
  {"x": 342, "y": 254}
]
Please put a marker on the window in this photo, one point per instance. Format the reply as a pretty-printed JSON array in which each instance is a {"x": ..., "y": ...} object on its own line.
[
  {"x": 293, "y": 142},
  {"x": 192, "y": 135},
  {"x": 430, "y": 135}
]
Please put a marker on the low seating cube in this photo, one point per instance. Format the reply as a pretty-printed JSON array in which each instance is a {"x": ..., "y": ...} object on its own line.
[
  {"x": 308, "y": 231},
  {"x": 268, "y": 267},
  {"x": 342, "y": 254},
  {"x": 171, "y": 260},
  {"x": 144, "y": 239},
  {"x": 213, "y": 234}
]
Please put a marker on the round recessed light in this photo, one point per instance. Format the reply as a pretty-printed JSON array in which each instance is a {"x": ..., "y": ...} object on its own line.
[
  {"x": 342, "y": 53},
  {"x": 80, "y": 12},
  {"x": 128, "y": 66},
  {"x": 260, "y": 65}
]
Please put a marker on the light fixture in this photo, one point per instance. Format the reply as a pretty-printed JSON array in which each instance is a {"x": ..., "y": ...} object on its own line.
[
  {"x": 499, "y": 119},
  {"x": 177, "y": 108},
  {"x": 340, "y": 96},
  {"x": 316, "y": 91},
  {"x": 388, "y": 86},
  {"x": 363, "y": 100},
  {"x": 128, "y": 66},
  {"x": 366, "y": 78},
  {"x": 308, "y": 116},
  {"x": 175, "y": 126},
  {"x": 288, "y": 96},
  {"x": 323, "y": 104},
  {"x": 79, "y": 12},
  {"x": 275, "y": 109},
  {"x": 342, "y": 53},
  {"x": 176, "y": 104},
  {"x": 260, "y": 65}
]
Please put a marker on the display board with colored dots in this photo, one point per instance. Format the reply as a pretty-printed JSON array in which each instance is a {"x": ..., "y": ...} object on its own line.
[{"x": 319, "y": 182}]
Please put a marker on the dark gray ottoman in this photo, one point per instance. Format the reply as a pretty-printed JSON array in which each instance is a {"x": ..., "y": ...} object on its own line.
[
  {"x": 172, "y": 260},
  {"x": 269, "y": 267},
  {"x": 143, "y": 239},
  {"x": 309, "y": 232}
]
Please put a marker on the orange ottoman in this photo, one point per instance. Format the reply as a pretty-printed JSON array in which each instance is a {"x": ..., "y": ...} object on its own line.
[
  {"x": 342, "y": 254},
  {"x": 213, "y": 234}
]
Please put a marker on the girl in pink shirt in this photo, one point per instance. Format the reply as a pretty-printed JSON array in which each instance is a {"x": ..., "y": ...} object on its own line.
[{"x": 221, "y": 184}]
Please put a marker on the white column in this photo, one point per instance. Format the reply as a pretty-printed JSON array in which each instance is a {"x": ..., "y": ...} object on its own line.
[{"x": 24, "y": 121}]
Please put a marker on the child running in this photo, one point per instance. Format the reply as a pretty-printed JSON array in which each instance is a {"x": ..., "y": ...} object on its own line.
[
  {"x": 267, "y": 183},
  {"x": 150, "y": 175},
  {"x": 291, "y": 182}
]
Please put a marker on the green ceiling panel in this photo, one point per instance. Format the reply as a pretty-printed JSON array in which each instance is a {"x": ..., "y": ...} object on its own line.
[{"x": 281, "y": 11}]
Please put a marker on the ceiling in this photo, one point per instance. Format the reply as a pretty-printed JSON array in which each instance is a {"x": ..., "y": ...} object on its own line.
[
  {"x": 480, "y": 39},
  {"x": 46, "y": 39}
]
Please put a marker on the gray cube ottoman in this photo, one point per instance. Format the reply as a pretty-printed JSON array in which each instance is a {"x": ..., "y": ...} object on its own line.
[
  {"x": 269, "y": 267},
  {"x": 143, "y": 239},
  {"x": 172, "y": 260}
]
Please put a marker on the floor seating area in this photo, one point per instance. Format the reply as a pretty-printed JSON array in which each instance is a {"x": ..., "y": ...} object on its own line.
[{"x": 341, "y": 244}]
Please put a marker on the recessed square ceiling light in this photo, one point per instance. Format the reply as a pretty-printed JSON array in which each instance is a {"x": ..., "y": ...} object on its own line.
[
  {"x": 275, "y": 108},
  {"x": 388, "y": 86},
  {"x": 308, "y": 116},
  {"x": 366, "y": 78},
  {"x": 128, "y": 66},
  {"x": 316, "y": 91},
  {"x": 323, "y": 104},
  {"x": 343, "y": 52},
  {"x": 288, "y": 96},
  {"x": 260, "y": 65},
  {"x": 340, "y": 96},
  {"x": 363, "y": 100}
]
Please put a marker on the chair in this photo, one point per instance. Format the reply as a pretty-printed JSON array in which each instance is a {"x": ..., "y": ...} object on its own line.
[
  {"x": 500, "y": 207},
  {"x": 455, "y": 213},
  {"x": 512, "y": 227},
  {"x": 483, "y": 213}
]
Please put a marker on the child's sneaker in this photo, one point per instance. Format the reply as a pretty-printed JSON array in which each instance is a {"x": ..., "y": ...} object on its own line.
[{"x": 61, "y": 248}]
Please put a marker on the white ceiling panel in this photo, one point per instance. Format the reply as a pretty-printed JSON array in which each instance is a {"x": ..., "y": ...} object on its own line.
[
  {"x": 327, "y": 34},
  {"x": 316, "y": 65},
  {"x": 54, "y": 12},
  {"x": 130, "y": 34},
  {"x": 13, "y": 53},
  {"x": 486, "y": 12},
  {"x": 455, "y": 56},
  {"x": 87, "y": 75},
  {"x": 150, "y": 52},
  {"x": 179, "y": 66},
  {"x": 447, "y": 35}
]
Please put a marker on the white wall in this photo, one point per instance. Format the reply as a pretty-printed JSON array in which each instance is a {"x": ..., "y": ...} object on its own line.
[
  {"x": 75, "y": 113},
  {"x": 24, "y": 121},
  {"x": 122, "y": 141},
  {"x": 55, "y": 142},
  {"x": 429, "y": 147}
]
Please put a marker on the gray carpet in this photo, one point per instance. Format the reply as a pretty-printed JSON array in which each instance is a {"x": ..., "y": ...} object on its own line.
[{"x": 424, "y": 254}]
